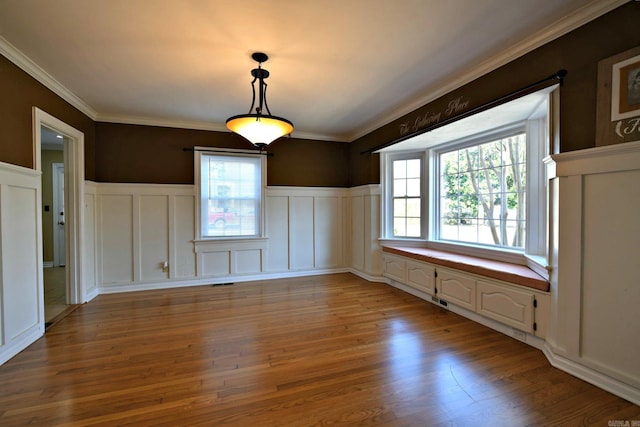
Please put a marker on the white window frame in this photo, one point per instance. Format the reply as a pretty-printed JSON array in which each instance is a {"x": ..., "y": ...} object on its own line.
[
  {"x": 434, "y": 177},
  {"x": 387, "y": 191},
  {"x": 538, "y": 127},
  {"x": 202, "y": 151}
]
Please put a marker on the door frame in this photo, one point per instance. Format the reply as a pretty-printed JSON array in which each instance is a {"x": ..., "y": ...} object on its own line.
[
  {"x": 55, "y": 186},
  {"x": 74, "y": 199}
]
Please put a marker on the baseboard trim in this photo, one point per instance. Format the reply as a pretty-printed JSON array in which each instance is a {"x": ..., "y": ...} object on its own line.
[
  {"x": 213, "y": 280},
  {"x": 91, "y": 294},
  {"x": 591, "y": 376},
  {"x": 368, "y": 277},
  {"x": 28, "y": 338}
]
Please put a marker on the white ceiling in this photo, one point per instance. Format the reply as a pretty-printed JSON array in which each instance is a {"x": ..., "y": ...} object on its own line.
[{"x": 339, "y": 68}]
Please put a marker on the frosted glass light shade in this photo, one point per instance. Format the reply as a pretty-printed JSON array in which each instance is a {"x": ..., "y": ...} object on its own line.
[{"x": 259, "y": 130}]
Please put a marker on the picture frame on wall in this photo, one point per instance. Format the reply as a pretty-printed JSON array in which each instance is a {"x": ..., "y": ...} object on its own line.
[
  {"x": 618, "y": 98},
  {"x": 625, "y": 89}
]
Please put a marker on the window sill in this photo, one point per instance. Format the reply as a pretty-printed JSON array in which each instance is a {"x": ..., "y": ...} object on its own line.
[
  {"x": 538, "y": 264},
  {"x": 495, "y": 254},
  {"x": 228, "y": 239}
]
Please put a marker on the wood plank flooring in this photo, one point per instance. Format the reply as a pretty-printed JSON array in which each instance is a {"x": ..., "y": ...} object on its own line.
[
  {"x": 315, "y": 351},
  {"x": 55, "y": 293}
]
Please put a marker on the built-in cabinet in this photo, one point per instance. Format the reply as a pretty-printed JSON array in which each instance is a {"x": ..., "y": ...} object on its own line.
[
  {"x": 395, "y": 267},
  {"x": 457, "y": 288},
  {"x": 512, "y": 305},
  {"x": 508, "y": 305},
  {"x": 421, "y": 276}
]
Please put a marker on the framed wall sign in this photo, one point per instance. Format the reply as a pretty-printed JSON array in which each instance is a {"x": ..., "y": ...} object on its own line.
[
  {"x": 618, "y": 104},
  {"x": 625, "y": 89}
]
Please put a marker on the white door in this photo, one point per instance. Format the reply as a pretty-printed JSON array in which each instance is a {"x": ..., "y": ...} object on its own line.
[{"x": 59, "y": 219}]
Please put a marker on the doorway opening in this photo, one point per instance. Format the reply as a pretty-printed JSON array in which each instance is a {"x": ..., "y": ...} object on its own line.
[
  {"x": 59, "y": 155},
  {"x": 53, "y": 224}
]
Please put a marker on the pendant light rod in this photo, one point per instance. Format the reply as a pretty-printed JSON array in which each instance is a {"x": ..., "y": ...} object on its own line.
[{"x": 259, "y": 74}]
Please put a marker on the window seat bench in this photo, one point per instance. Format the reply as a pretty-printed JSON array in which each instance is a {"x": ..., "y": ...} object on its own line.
[
  {"x": 512, "y": 273},
  {"x": 510, "y": 298}
]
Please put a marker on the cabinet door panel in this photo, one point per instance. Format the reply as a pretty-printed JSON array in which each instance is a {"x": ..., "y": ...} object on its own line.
[
  {"x": 395, "y": 268},
  {"x": 421, "y": 276},
  {"x": 457, "y": 288},
  {"x": 509, "y": 306}
]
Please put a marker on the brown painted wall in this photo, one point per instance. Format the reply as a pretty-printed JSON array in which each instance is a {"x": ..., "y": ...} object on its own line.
[
  {"x": 308, "y": 163},
  {"x": 578, "y": 52},
  {"x": 149, "y": 154},
  {"x": 19, "y": 93}
]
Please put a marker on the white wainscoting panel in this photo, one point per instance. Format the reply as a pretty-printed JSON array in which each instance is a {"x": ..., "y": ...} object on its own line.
[
  {"x": 231, "y": 258},
  {"x": 215, "y": 263},
  {"x": 301, "y": 238},
  {"x": 366, "y": 252},
  {"x": 277, "y": 223},
  {"x": 182, "y": 225},
  {"x": 611, "y": 273},
  {"x": 328, "y": 232},
  {"x": 373, "y": 250},
  {"x": 154, "y": 237},
  {"x": 140, "y": 227},
  {"x": 307, "y": 229},
  {"x": 90, "y": 265},
  {"x": 21, "y": 296},
  {"x": 20, "y": 272},
  {"x": 358, "y": 232},
  {"x": 595, "y": 290},
  {"x": 247, "y": 261},
  {"x": 116, "y": 238}
]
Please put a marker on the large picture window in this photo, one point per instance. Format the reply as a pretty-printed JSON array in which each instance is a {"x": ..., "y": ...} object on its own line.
[
  {"x": 230, "y": 195},
  {"x": 482, "y": 192}
]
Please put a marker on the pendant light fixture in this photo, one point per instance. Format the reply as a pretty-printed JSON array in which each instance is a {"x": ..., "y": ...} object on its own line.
[{"x": 259, "y": 128}]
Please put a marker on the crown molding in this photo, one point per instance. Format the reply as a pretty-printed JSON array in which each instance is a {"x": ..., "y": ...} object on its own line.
[
  {"x": 160, "y": 122},
  {"x": 559, "y": 28},
  {"x": 320, "y": 137},
  {"x": 28, "y": 66}
]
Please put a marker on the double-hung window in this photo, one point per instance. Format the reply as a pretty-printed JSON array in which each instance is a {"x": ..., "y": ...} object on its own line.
[
  {"x": 475, "y": 186},
  {"x": 406, "y": 195},
  {"x": 230, "y": 194}
]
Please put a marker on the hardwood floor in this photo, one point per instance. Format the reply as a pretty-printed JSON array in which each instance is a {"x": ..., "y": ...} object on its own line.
[
  {"x": 313, "y": 351},
  {"x": 55, "y": 293}
]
